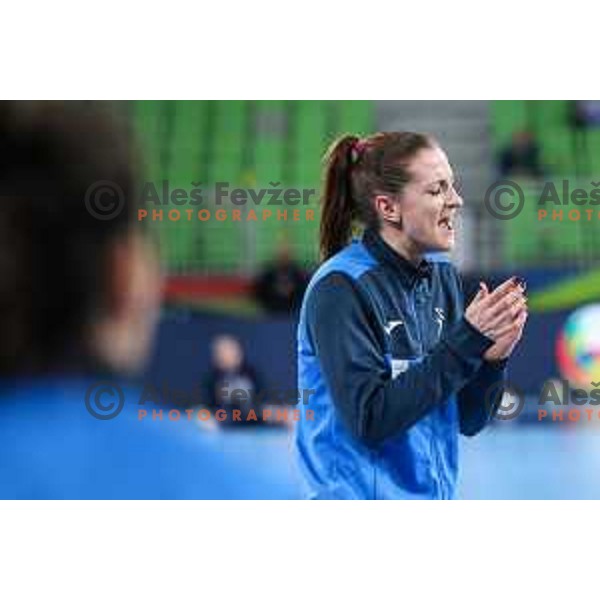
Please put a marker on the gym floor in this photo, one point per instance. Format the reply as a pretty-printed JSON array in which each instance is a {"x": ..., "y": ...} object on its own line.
[{"x": 506, "y": 461}]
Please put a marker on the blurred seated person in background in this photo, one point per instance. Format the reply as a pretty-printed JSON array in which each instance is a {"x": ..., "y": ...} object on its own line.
[
  {"x": 584, "y": 116},
  {"x": 280, "y": 286},
  {"x": 584, "y": 113},
  {"x": 79, "y": 300},
  {"x": 233, "y": 384},
  {"x": 522, "y": 157}
]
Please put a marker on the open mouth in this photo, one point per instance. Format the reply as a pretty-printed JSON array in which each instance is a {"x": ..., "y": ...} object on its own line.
[{"x": 447, "y": 223}]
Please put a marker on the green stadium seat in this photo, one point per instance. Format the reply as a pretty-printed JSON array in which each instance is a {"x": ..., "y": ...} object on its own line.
[
  {"x": 508, "y": 116},
  {"x": 213, "y": 141}
]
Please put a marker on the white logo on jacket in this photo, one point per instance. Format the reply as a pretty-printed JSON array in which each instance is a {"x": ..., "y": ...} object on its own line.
[
  {"x": 399, "y": 365},
  {"x": 391, "y": 325},
  {"x": 439, "y": 318}
]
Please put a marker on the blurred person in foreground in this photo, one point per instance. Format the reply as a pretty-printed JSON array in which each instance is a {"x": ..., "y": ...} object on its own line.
[{"x": 79, "y": 293}]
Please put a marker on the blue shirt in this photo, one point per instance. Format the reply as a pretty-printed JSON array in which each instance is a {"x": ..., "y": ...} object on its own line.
[
  {"x": 396, "y": 371},
  {"x": 53, "y": 448}
]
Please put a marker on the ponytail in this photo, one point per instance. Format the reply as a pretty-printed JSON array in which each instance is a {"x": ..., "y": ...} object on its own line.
[
  {"x": 355, "y": 171},
  {"x": 338, "y": 206}
]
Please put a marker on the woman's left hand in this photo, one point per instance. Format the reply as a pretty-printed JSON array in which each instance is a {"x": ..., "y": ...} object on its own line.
[{"x": 506, "y": 341}]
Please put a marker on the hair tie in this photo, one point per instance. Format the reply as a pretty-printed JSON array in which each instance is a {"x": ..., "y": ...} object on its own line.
[{"x": 357, "y": 149}]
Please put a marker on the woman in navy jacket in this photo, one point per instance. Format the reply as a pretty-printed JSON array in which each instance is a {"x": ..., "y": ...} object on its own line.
[{"x": 397, "y": 366}]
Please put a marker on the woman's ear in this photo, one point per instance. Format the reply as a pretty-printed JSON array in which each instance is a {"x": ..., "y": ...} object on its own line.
[
  {"x": 124, "y": 331},
  {"x": 134, "y": 283},
  {"x": 388, "y": 209},
  {"x": 120, "y": 267}
]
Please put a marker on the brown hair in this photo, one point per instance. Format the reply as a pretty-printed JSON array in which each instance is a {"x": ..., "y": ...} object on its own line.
[
  {"x": 357, "y": 169},
  {"x": 53, "y": 249}
]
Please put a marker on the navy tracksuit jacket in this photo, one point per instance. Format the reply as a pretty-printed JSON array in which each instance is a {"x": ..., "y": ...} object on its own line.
[{"x": 396, "y": 371}]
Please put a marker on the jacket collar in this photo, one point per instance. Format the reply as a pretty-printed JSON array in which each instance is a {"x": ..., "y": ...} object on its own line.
[{"x": 385, "y": 254}]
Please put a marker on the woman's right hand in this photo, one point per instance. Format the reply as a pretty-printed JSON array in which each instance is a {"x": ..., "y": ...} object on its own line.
[{"x": 494, "y": 313}]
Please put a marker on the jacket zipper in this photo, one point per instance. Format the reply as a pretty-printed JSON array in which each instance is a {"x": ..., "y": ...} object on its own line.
[{"x": 434, "y": 433}]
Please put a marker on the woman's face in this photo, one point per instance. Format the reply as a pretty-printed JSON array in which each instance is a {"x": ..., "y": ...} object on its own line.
[{"x": 429, "y": 203}]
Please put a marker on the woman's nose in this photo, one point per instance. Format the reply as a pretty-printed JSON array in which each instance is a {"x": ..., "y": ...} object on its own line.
[{"x": 455, "y": 200}]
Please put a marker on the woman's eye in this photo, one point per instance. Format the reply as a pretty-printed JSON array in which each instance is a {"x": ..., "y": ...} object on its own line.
[{"x": 436, "y": 192}]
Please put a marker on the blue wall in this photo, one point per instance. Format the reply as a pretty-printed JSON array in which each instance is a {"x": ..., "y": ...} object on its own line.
[{"x": 182, "y": 352}]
